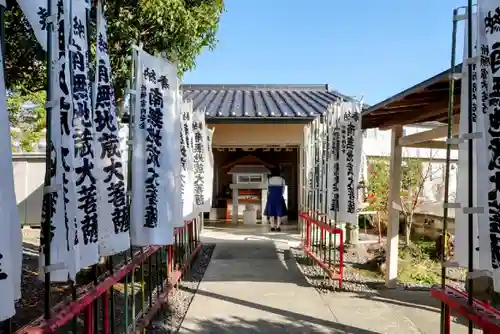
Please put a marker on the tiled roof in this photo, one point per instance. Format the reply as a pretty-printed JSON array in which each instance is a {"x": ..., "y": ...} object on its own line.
[{"x": 260, "y": 101}]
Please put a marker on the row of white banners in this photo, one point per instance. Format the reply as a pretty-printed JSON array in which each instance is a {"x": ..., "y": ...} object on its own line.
[
  {"x": 334, "y": 162},
  {"x": 89, "y": 212},
  {"x": 486, "y": 146}
]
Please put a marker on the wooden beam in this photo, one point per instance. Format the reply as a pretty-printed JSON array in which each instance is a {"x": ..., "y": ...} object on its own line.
[
  {"x": 422, "y": 97},
  {"x": 417, "y": 116},
  {"x": 384, "y": 112},
  {"x": 432, "y": 114},
  {"x": 444, "y": 119},
  {"x": 392, "y": 247},
  {"x": 409, "y": 104},
  {"x": 425, "y": 136},
  {"x": 433, "y": 144},
  {"x": 420, "y": 115},
  {"x": 435, "y": 90}
]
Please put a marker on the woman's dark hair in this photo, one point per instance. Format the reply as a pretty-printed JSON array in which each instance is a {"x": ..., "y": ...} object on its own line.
[{"x": 275, "y": 171}]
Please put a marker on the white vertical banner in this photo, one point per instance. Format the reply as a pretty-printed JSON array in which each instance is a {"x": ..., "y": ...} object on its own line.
[
  {"x": 342, "y": 213},
  {"x": 355, "y": 168},
  {"x": 174, "y": 158},
  {"x": 461, "y": 254},
  {"x": 321, "y": 164},
  {"x": 483, "y": 73},
  {"x": 36, "y": 14},
  {"x": 489, "y": 121},
  {"x": 187, "y": 171},
  {"x": 85, "y": 169},
  {"x": 209, "y": 172},
  {"x": 334, "y": 157},
  {"x": 309, "y": 165},
  {"x": 329, "y": 147},
  {"x": 10, "y": 239},
  {"x": 138, "y": 164},
  {"x": 201, "y": 163},
  {"x": 154, "y": 162},
  {"x": 171, "y": 155},
  {"x": 113, "y": 231},
  {"x": 62, "y": 241},
  {"x": 123, "y": 135},
  {"x": 350, "y": 156}
]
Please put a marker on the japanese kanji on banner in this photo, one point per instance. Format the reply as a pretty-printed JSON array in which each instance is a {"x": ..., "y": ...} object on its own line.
[
  {"x": 155, "y": 162},
  {"x": 114, "y": 225}
]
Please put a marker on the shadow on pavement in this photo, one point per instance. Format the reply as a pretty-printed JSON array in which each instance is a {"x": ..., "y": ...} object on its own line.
[
  {"x": 238, "y": 325},
  {"x": 292, "y": 323}
]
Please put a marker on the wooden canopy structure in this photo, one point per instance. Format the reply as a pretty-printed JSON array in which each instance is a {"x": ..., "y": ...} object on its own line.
[
  {"x": 424, "y": 102},
  {"x": 427, "y": 101}
]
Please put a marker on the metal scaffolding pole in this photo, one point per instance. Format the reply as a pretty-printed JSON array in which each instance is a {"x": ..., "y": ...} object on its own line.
[
  {"x": 46, "y": 227},
  {"x": 445, "y": 326},
  {"x": 470, "y": 145}
]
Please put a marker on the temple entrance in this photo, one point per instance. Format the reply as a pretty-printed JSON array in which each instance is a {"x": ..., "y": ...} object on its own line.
[{"x": 240, "y": 182}]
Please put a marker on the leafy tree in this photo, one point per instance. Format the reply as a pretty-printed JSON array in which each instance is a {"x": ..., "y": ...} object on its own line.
[
  {"x": 378, "y": 185},
  {"x": 181, "y": 28},
  {"x": 29, "y": 121},
  {"x": 24, "y": 57},
  {"x": 413, "y": 178}
]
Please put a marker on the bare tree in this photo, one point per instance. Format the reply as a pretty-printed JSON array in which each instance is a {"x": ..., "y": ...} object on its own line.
[{"x": 416, "y": 172}]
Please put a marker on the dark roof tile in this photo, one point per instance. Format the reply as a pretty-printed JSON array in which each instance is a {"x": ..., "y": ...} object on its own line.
[{"x": 260, "y": 101}]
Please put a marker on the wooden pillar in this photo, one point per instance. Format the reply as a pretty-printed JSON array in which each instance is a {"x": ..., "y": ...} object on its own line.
[
  {"x": 202, "y": 221},
  {"x": 394, "y": 201},
  {"x": 235, "y": 205}
]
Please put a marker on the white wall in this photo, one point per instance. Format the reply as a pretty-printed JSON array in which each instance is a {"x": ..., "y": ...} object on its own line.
[
  {"x": 29, "y": 173},
  {"x": 377, "y": 143},
  {"x": 433, "y": 189}
]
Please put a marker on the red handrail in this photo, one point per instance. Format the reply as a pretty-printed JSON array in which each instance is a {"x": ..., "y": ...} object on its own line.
[
  {"x": 66, "y": 311},
  {"x": 306, "y": 246},
  {"x": 483, "y": 315}
]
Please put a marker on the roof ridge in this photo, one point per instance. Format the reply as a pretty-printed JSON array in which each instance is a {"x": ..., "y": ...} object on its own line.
[
  {"x": 265, "y": 87},
  {"x": 247, "y": 102}
]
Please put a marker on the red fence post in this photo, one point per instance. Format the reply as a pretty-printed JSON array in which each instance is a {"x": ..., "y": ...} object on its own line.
[
  {"x": 447, "y": 321},
  {"x": 87, "y": 322},
  {"x": 308, "y": 233},
  {"x": 170, "y": 260},
  {"x": 105, "y": 307},
  {"x": 341, "y": 257}
]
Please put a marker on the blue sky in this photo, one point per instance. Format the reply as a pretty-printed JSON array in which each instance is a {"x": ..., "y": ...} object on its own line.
[{"x": 364, "y": 48}]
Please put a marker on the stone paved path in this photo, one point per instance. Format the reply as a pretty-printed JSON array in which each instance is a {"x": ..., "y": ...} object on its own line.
[{"x": 253, "y": 285}]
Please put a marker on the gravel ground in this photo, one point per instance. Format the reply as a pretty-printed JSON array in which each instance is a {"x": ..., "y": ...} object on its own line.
[
  {"x": 31, "y": 306},
  {"x": 316, "y": 276},
  {"x": 353, "y": 280},
  {"x": 170, "y": 319}
]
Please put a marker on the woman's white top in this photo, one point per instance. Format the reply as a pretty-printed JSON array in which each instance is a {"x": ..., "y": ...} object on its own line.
[{"x": 276, "y": 181}]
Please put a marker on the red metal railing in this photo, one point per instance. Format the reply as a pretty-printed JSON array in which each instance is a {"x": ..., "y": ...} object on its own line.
[
  {"x": 483, "y": 315},
  {"x": 319, "y": 246},
  {"x": 93, "y": 307}
]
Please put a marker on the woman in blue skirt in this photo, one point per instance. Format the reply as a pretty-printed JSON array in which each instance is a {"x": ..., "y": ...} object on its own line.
[{"x": 275, "y": 205}]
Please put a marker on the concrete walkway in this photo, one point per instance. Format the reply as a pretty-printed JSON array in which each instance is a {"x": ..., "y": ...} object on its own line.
[{"x": 253, "y": 285}]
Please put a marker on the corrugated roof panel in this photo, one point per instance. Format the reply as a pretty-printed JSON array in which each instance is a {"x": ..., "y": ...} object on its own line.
[{"x": 260, "y": 101}]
